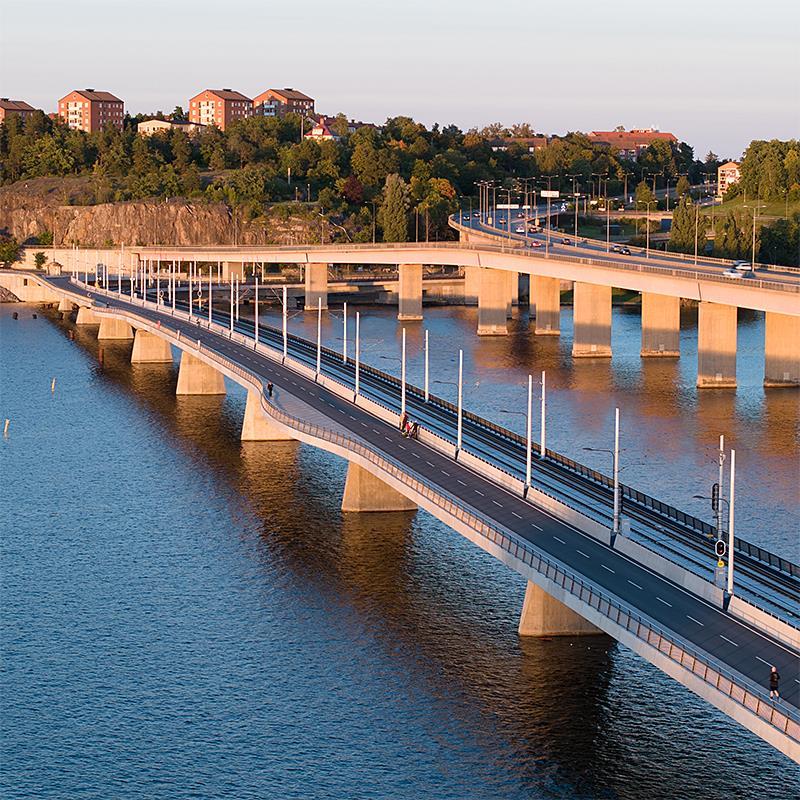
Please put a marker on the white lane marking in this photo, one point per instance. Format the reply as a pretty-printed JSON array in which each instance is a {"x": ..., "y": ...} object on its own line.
[
  {"x": 478, "y": 491},
  {"x": 518, "y": 516},
  {"x": 461, "y": 482},
  {"x": 497, "y": 504},
  {"x": 635, "y": 584},
  {"x": 365, "y": 424},
  {"x": 762, "y": 661},
  {"x": 728, "y": 640},
  {"x": 387, "y": 438},
  {"x": 581, "y": 553},
  {"x": 415, "y": 455},
  {"x": 559, "y": 540},
  {"x": 608, "y": 568},
  {"x": 375, "y": 430},
  {"x": 430, "y": 463},
  {"x": 663, "y": 601},
  {"x": 351, "y": 417},
  {"x": 534, "y": 525},
  {"x": 445, "y": 473},
  {"x": 701, "y": 624},
  {"x": 401, "y": 447}
]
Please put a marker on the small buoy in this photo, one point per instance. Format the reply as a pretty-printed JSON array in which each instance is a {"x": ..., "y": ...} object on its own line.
[
  {"x": 101, "y": 356},
  {"x": 53, "y": 385},
  {"x": 5, "y": 427},
  {"x": 15, "y": 315},
  {"x": 72, "y": 335},
  {"x": 36, "y": 316}
]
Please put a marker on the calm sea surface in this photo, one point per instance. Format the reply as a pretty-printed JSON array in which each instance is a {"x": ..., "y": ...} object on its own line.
[{"x": 186, "y": 616}]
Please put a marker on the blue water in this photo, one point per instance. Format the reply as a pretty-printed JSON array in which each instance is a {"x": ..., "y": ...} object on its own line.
[{"x": 188, "y": 616}]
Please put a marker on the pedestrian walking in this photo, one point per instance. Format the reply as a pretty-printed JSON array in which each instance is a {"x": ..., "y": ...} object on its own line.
[
  {"x": 774, "y": 681},
  {"x": 270, "y": 387}
]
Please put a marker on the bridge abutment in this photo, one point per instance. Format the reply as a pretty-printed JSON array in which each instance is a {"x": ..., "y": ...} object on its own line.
[
  {"x": 716, "y": 345},
  {"x": 257, "y": 426},
  {"x": 409, "y": 292},
  {"x": 364, "y": 492},
  {"x": 472, "y": 283},
  {"x": 493, "y": 302},
  {"x": 543, "y": 615},
  {"x": 592, "y": 321},
  {"x": 150, "y": 349},
  {"x": 781, "y": 350},
  {"x": 197, "y": 377},
  {"x": 316, "y": 284},
  {"x": 546, "y": 297},
  {"x": 661, "y": 325},
  {"x": 112, "y": 328}
]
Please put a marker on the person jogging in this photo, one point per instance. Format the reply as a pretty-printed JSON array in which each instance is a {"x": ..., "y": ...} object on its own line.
[{"x": 774, "y": 681}]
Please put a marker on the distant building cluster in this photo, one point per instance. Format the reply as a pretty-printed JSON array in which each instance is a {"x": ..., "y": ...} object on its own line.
[{"x": 631, "y": 144}]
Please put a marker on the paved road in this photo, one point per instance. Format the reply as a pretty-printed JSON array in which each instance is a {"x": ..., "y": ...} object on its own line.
[{"x": 724, "y": 638}]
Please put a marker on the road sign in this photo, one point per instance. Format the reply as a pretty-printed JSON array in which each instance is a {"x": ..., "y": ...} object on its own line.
[
  {"x": 720, "y": 548},
  {"x": 549, "y": 193},
  {"x": 715, "y": 497}
]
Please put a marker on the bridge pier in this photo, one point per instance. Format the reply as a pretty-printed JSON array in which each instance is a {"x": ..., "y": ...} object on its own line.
[
  {"x": 114, "y": 329},
  {"x": 546, "y": 297},
  {"x": 150, "y": 349},
  {"x": 197, "y": 377},
  {"x": 661, "y": 325},
  {"x": 232, "y": 269},
  {"x": 493, "y": 302},
  {"x": 781, "y": 350},
  {"x": 472, "y": 283},
  {"x": 543, "y": 615},
  {"x": 257, "y": 426},
  {"x": 364, "y": 492},
  {"x": 513, "y": 293},
  {"x": 65, "y": 305},
  {"x": 409, "y": 292},
  {"x": 716, "y": 345},
  {"x": 86, "y": 316},
  {"x": 592, "y": 321},
  {"x": 316, "y": 281}
]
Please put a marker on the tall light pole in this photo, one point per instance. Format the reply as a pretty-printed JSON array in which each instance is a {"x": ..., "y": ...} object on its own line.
[
  {"x": 403, "y": 374},
  {"x": 255, "y": 332},
  {"x": 211, "y": 298},
  {"x": 543, "y": 443},
  {"x": 344, "y": 334},
  {"x": 427, "y": 374},
  {"x": 755, "y": 208},
  {"x": 460, "y": 399},
  {"x": 285, "y": 326},
  {"x": 358, "y": 350},
  {"x": 731, "y": 495},
  {"x": 319, "y": 335},
  {"x": 721, "y": 459},
  {"x": 231, "y": 305},
  {"x": 529, "y": 442},
  {"x": 616, "y": 471}
]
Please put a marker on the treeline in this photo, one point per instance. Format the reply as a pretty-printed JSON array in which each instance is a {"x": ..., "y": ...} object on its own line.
[
  {"x": 769, "y": 171},
  {"x": 261, "y": 161}
]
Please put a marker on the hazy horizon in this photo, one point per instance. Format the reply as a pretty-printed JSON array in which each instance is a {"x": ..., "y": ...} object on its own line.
[{"x": 695, "y": 70}]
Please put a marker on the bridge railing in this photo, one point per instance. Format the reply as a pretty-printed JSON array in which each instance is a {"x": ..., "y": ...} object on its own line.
[{"x": 729, "y": 682}]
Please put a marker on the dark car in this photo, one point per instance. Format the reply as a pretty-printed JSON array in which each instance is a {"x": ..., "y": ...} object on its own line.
[
  {"x": 566, "y": 241},
  {"x": 626, "y": 251}
]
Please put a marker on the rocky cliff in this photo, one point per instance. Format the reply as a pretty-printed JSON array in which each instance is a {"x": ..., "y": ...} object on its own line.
[{"x": 29, "y": 208}]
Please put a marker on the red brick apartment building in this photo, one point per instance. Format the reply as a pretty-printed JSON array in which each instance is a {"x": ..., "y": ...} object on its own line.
[
  {"x": 219, "y": 107},
  {"x": 89, "y": 110},
  {"x": 631, "y": 144},
  {"x": 277, "y": 102},
  {"x": 11, "y": 108}
]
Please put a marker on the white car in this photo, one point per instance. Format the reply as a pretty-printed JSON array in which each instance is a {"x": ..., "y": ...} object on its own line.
[
  {"x": 519, "y": 229},
  {"x": 735, "y": 273}
]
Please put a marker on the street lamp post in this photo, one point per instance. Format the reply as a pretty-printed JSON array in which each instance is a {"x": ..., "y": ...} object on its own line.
[
  {"x": 403, "y": 374},
  {"x": 255, "y": 326},
  {"x": 344, "y": 333},
  {"x": 285, "y": 331},
  {"x": 615, "y": 455},
  {"x": 358, "y": 349},
  {"x": 731, "y": 495},
  {"x": 319, "y": 335},
  {"x": 543, "y": 442},
  {"x": 426, "y": 366},
  {"x": 231, "y": 306},
  {"x": 460, "y": 398},
  {"x": 529, "y": 432}
]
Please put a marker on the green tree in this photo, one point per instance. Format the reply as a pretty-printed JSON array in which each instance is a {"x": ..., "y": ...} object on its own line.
[
  {"x": 780, "y": 242},
  {"x": 686, "y": 223},
  {"x": 393, "y": 213},
  {"x": 683, "y": 186},
  {"x": 9, "y": 250},
  {"x": 731, "y": 239},
  {"x": 39, "y": 260},
  {"x": 643, "y": 195}
]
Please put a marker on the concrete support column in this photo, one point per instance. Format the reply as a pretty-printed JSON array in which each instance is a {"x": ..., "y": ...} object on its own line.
[
  {"x": 65, "y": 305},
  {"x": 409, "y": 292},
  {"x": 472, "y": 284},
  {"x": 364, "y": 492},
  {"x": 661, "y": 325},
  {"x": 150, "y": 349},
  {"x": 513, "y": 293},
  {"x": 231, "y": 269},
  {"x": 257, "y": 426},
  {"x": 87, "y": 317},
  {"x": 492, "y": 302},
  {"x": 716, "y": 345},
  {"x": 113, "y": 328},
  {"x": 197, "y": 377},
  {"x": 316, "y": 279},
  {"x": 543, "y": 615},
  {"x": 592, "y": 321},
  {"x": 546, "y": 297},
  {"x": 782, "y": 350}
]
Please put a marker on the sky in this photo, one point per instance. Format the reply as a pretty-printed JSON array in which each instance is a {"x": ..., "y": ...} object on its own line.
[{"x": 716, "y": 73}]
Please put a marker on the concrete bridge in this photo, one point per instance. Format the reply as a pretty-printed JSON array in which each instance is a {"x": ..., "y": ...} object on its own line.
[{"x": 583, "y": 577}]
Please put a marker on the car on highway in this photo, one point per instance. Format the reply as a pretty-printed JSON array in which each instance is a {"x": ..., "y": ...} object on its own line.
[
  {"x": 743, "y": 266},
  {"x": 519, "y": 229},
  {"x": 566, "y": 241},
  {"x": 625, "y": 251},
  {"x": 476, "y": 214},
  {"x": 534, "y": 243},
  {"x": 615, "y": 248},
  {"x": 735, "y": 273}
]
